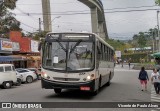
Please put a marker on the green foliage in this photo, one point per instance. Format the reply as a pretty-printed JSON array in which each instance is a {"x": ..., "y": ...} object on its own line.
[
  {"x": 136, "y": 57},
  {"x": 115, "y": 43},
  {"x": 142, "y": 40},
  {"x": 11, "y": 4},
  {"x": 7, "y": 19},
  {"x": 38, "y": 35},
  {"x": 119, "y": 45},
  {"x": 157, "y": 2}
]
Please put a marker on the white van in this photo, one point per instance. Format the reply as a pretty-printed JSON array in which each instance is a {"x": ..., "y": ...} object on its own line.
[{"x": 7, "y": 75}]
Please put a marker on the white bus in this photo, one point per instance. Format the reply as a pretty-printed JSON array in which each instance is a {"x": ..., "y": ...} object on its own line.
[{"x": 81, "y": 61}]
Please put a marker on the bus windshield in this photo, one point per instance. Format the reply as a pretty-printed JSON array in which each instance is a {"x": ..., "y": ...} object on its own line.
[{"x": 69, "y": 56}]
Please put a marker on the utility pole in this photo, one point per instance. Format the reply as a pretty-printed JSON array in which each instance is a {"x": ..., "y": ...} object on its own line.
[
  {"x": 158, "y": 45},
  {"x": 46, "y": 15},
  {"x": 153, "y": 39},
  {"x": 40, "y": 25}
]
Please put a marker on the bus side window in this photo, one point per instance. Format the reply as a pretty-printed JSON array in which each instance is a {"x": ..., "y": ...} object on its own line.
[
  {"x": 109, "y": 55},
  {"x": 98, "y": 51}
]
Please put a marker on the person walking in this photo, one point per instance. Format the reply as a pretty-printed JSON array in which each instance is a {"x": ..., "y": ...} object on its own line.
[
  {"x": 129, "y": 64},
  {"x": 155, "y": 79},
  {"x": 143, "y": 77},
  {"x": 122, "y": 63}
]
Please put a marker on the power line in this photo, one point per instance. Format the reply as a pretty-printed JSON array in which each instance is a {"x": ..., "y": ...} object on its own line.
[
  {"x": 104, "y": 9},
  {"x": 26, "y": 13},
  {"x": 132, "y": 10},
  {"x": 50, "y": 3},
  {"x": 84, "y": 13},
  {"x": 88, "y": 10},
  {"x": 132, "y": 7},
  {"x": 28, "y": 25}
]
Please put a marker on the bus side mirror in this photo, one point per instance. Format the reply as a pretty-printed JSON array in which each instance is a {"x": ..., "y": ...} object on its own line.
[{"x": 39, "y": 46}]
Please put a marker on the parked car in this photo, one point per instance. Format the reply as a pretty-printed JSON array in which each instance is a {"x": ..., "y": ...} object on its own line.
[
  {"x": 19, "y": 79},
  {"x": 7, "y": 75},
  {"x": 28, "y": 76},
  {"x": 40, "y": 71},
  {"x": 37, "y": 72}
]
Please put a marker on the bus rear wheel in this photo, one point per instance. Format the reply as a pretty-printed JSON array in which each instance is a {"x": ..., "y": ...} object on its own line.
[{"x": 57, "y": 91}]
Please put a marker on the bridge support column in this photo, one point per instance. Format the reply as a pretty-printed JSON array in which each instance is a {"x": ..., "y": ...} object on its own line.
[
  {"x": 101, "y": 30},
  {"x": 94, "y": 20},
  {"x": 97, "y": 26}
]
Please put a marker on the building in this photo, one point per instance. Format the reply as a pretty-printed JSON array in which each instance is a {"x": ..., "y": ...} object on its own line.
[{"x": 28, "y": 50}]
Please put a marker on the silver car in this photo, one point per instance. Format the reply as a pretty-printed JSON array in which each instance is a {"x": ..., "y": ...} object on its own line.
[
  {"x": 28, "y": 76},
  {"x": 19, "y": 79}
]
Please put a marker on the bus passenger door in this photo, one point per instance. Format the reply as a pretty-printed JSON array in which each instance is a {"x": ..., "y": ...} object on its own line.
[{"x": 98, "y": 55}]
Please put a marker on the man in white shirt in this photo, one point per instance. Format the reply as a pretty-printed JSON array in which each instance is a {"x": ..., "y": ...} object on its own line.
[{"x": 155, "y": 79}]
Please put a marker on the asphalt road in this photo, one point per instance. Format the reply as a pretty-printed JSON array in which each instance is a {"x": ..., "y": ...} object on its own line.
[{"x": 125, "y": 87}]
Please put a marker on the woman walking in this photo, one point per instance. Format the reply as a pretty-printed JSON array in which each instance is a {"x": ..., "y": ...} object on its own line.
[
  {"x": 155, "y": 79},
  {"x": 143, "y": 77}
]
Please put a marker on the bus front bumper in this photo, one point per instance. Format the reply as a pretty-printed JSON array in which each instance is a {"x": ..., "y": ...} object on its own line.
[{"x": 86, "y": 86}]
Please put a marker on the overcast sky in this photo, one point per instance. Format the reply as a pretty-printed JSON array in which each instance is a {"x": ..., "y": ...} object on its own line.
[{"x": 120, "y": 25}]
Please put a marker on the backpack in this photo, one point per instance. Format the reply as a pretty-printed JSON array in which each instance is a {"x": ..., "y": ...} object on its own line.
[{"x": 142, "y": 75}]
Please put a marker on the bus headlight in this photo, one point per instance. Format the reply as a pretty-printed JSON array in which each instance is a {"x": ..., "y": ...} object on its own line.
[
  {"x": 46, "y": 76},
  {"x": 88, "y": 77}
]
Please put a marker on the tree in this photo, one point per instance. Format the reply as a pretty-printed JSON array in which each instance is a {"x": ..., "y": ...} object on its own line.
[
  {"x": 11, "y": 4},
  {"x": 35, "y": 35},
  {"x": 157, "y": 2},
  {"x": 119, "y": 45},
  {"x": 142, "y": 40},
  {"x": 134, "y": 41},
  {"x": 7, "y": 19}
]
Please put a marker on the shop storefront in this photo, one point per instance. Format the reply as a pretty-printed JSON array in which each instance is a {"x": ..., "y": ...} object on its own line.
[
  {"x": 18, "y": 61},
  {"x": 6, "y": 54},
  {"x": 35, "y": 58},
  {"x": 33, "y": 61},
  {"x": 27, "y": 48},
  {"x": 5, "y": 47}
]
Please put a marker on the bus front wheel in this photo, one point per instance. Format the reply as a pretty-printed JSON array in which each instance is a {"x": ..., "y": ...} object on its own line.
[
  {"x": 57, "y": 91},
  {"x": 99, "y": 86},
  {"x": 109, "y": 81}
]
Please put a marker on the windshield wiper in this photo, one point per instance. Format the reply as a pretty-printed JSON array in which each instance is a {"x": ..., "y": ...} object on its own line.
[
  {"x": 61, "y": 46},
  {"x": 75, "y": 46}
]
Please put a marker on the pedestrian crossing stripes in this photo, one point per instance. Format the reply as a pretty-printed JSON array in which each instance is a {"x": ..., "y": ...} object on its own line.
[{"x": 130, "y": 70}]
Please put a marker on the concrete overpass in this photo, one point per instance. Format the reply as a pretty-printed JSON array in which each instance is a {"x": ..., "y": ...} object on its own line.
[{"x": 97, "y": 16}]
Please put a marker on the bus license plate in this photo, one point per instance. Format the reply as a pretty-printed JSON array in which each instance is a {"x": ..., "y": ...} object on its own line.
[{"x": 85, "y": 88}]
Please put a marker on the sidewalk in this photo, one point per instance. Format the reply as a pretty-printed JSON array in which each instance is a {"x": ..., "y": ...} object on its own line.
[{"x": 154, "y": 97}]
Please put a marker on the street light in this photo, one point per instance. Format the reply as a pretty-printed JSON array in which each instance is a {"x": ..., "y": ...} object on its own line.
[
  {"x": 41, "y": 22},
  {"x": 55, "y": 18}
]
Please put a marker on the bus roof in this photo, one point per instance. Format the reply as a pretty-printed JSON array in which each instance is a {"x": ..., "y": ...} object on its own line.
[{"x": 97, "y": 36}]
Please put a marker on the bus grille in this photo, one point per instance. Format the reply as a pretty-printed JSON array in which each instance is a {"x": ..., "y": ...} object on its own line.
[{"x": 66, "y": 79}]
